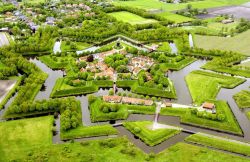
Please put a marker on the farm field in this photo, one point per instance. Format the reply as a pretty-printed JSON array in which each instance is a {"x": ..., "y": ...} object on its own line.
[
  {"x": 220, "y": 143},
  {"x": 222, "y": 43},
  {"x": 124, "y": 81},
  {"x": 25, "y": 134},
  {"x": 155, "y": 4},
  {"x": 131, "y": 18},
  {"x": 175, "y": 17}
]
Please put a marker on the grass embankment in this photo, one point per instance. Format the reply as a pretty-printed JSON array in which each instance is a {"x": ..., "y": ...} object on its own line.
[
  {"x": 122, "y": 110},
  {"x": 223, "y": 43},
  {"x": 175, "y": 17},
  {"x": 22, "y": 135},
  {"x": 177, "y": 65},
  {"x": 83, "y": 131},
  {"x": 220, "y": 143},
  {"x": 78, "y": 46},
  {"x": 229, "y": 124},
  {"x": 61, "y": 89},
  {"x": 182, "y": 152},
  {"x": 57, "y": 62},
  {"x": 143, "y": 129},
  {"x": 88, "y": 131},
  {"x": 242, "y": 99},
  {"x": 136, "y": 88},
  {"x": 118, "y": 150},
  {"x": 205, "y": 86},
  {"x": 131, "y": 18}
]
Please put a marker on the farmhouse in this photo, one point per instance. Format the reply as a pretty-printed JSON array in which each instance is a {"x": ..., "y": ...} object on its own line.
[{"x": 207, "y": 105}]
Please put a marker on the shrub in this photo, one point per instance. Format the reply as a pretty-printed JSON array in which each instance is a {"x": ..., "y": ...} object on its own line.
[
  {"x": 111, "y": 92},
  {"x": 137, "y": 130}
]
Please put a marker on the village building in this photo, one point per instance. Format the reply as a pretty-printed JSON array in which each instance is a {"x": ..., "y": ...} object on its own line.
[
  {"x": 113, "y": 99},
  {"x": 136, "y": 101},
  {"x": 207, "y": 106}
]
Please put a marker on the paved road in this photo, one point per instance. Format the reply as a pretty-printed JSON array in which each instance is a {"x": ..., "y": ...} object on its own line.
[{"x": 3, "y": 40}]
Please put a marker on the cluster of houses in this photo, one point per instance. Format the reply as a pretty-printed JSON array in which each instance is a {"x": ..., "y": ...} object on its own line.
[
  {"x": 127, "y": 100},
  {"x": 25, "y": 19},
  {"x": 135, "y": 65},
  {"x": 206, "y": 106},
  {"x": 100, "y": 68},
  {"x": 139, "y": 63},
  {"x": 76, "y": 6}
]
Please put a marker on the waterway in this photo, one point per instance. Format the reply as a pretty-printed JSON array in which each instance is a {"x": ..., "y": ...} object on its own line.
[{"x": 178, "y": 78}]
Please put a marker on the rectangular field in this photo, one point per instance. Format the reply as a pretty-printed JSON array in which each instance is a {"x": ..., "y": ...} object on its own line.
[
  {"x": 156, "y": 4},
  {"x": 223, "y": 43},
  {"x": 25, "y": 134},
  {"x": 131, "y": 18}
]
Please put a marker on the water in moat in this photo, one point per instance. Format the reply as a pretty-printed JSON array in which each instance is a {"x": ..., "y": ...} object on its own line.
[{"x": 178, "y": 78}]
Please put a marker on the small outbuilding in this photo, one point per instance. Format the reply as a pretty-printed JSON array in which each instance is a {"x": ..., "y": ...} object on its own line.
[{"x": 208, "y": 105}]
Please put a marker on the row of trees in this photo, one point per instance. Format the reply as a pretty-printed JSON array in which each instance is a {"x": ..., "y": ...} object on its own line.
[{"x": 42, "y": 40}]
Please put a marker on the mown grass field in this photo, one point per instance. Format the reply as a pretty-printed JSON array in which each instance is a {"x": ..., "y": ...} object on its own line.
[
  {"x": 131, "y": 18},
  {"x": 220, "y": 143},
  {"x": 155, "y": 4},
  {"x": 228, "y": 125},
  {"x": 143, "y": 130},
  {"x": 205, "y": 86},
  {"x": 183, "y": 152},
  {"x": 119, "y": 150},
  {"x": 175, "y": 17},
  {"x": 238, "y": 43},
  {"x": 79, "y": 46},
  {"x": 242, "y": 99},
  {"x": 21, "y": 135}
]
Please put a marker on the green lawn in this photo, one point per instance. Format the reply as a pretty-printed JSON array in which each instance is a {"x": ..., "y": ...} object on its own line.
[
  {"x": 223, "y": 43},
  {"x": 220, "y": 143},
  {"x": 177, "y": 65},
  {"x": 131, "y": 18},
  {"x": 229, "y": 124},
  {"x": 56, "y": 62},
  {"x": 242, "y": 99},
  {"x": 88, "y": 131},
  {"x": 119, "y": 150},
  {"x": 156, "y": 4},
  {"x": 175, "y": 17},
  {"x": 205, "y": 86},
  {"x": 143, "y": 130},
  {"x": 164, "y": 47},
  {"x": 218, "y": 25},
  {"x": 79, "y": 46},
  {"x": 21, "y": 135},
  {"x": 183, "y": 152}
]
